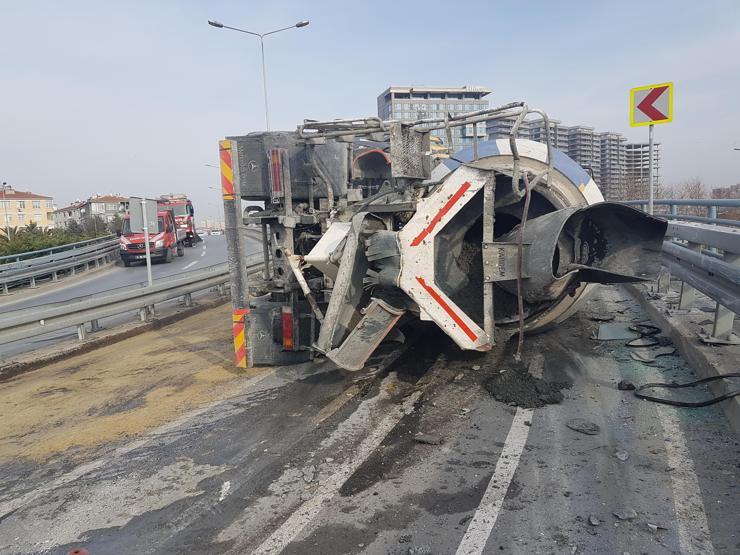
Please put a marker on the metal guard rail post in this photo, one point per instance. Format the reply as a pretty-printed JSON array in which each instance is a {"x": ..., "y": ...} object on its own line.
[{"x": 706, "y": 258}]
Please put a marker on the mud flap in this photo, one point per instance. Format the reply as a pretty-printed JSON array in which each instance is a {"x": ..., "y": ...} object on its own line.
[{"x": 377, "y": 321}]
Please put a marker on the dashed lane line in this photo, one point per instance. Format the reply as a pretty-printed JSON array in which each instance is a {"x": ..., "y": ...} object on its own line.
[
  {"x": 484, "y": 519},
  {"x": 481, "y": 526},
  {"x": 193, "y": 263}
]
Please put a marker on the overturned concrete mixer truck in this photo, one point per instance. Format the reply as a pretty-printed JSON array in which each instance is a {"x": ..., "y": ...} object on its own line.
[{"x": 365, "y": 227}]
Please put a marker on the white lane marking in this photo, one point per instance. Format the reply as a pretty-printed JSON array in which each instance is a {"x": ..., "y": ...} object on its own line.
[
  {"x": 225, "y": 487},
  {"x": 308, "y": 510},
  {"x": 693, "y": 529},
  {"x": 484, "y": 519},
  {"x": 193, "y": 263},
  {"x": 480, "y": 527},
  {"x": 203, "y": 253},
  {"x": 161, "y": 435}
]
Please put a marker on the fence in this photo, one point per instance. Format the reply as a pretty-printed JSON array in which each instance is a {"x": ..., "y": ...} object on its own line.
[
  {"x": 22, "y": 268},
  {"x": 704, "y": 253},
  {"x": 76, "y": 313},
  {"x": 711, "y": 207}
]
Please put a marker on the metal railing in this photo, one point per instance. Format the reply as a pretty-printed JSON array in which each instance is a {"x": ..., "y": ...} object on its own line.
[
  {"x": 76, "y": 313},
  {"x": 710, "y": 206},
  {"x": 704, "y": 253},
  {"x": 26, "y": 269},
  {"x": 51, "y": 250}
]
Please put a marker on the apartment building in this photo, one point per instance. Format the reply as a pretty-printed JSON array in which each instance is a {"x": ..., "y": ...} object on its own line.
[
  {"x": 20, "y": 208},
  {"x": 637, "y": 165},
  {"x": 105, "y": 207},
  {"x": 413, "y": 103}
]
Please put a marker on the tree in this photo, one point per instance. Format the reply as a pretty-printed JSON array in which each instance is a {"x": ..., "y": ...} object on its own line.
[
  {"x": 115, "y": 225},
  {"x": 94, "y": 225},
  {"x": 74, "y": 228}
]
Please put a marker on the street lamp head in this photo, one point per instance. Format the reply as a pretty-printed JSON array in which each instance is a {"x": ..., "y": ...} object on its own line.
[
  {"x": 301, "y": 24},
  {"x": 216, "y": 24}
]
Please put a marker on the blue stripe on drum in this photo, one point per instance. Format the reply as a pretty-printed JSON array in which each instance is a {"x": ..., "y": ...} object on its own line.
[{"x": 562, "y": 162}]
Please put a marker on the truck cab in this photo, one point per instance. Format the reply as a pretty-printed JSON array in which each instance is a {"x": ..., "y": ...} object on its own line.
[
  {"x": 165, "y": 242},
  {"x": 184, "y": 214}
]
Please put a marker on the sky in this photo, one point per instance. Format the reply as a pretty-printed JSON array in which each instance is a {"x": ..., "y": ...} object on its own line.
[{"x": 131, "y": 97}]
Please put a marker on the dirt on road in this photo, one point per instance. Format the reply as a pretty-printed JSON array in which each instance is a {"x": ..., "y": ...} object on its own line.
[{"x": 119, "y": 391}]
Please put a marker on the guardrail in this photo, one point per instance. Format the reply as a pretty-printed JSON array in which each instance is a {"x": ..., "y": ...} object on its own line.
[
  {"x": 29, "y": 322},
  {"x": 24, "y": 270},
  {"x": 704, "y": 253},
  {"x": 51, "y": 250},
  {"x": 673, "y": 211}
]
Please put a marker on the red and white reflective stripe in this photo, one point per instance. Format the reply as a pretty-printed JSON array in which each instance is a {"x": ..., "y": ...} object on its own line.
[
  {"x": 287, "y": 321},
  {"x": 448, "y": 309},
  {"x": 441, "y": 214}
]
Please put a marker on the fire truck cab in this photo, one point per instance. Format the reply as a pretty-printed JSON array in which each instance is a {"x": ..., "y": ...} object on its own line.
[{"x": 184, "y": 213}]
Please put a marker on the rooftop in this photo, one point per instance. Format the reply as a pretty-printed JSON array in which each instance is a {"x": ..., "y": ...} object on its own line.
[
  {"x": 481, "y": 91},
  {"x": 8, "y": 192}
]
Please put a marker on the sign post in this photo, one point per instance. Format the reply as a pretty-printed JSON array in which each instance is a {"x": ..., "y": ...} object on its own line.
[
  {"x": 649, "y": 105},
  {"x": 143, "y": 214}
]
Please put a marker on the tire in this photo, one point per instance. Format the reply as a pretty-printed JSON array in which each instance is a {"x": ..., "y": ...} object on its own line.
[
  {"x": 127, "y": 262},
  {"x": 188, "y": 242},
  {"x": 168, "y": 257},
  {"x": 180, "y": 250}
]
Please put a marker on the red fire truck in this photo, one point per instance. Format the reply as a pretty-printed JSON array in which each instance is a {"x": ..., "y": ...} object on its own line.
[{"x": 182, "y": 208}]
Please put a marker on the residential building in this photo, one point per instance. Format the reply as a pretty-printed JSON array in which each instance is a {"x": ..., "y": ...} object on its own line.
[
  {"x": 413, "y": 103},
  {"x": 20, "y": 208},
  {"x": 66, "y": 214},
  {"x": 106, "y": 207},
  {"x": 613, "y": 165},
  {"x": 637, "y": 167}
]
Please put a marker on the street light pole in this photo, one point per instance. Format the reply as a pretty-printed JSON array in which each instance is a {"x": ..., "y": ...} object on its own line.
[
  {"x": 220, "y": 206},
  {"x": 219, "y": 25}
]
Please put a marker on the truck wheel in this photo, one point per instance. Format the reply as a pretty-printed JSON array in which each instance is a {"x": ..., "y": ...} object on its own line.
[
  {"x": 188, "y": 242},
  {"x": 180, "y": 250},
  {"x": 168, "y": 256}
]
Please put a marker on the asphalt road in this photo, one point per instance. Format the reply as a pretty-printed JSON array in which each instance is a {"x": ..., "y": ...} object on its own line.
[{"x": 309, "y": 460}]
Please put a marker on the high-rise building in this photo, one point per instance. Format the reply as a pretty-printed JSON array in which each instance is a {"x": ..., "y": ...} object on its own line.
[
  {"x": 637, "y": 167},
  {"x": 20, "y": 208},
  {"x": 414, "y": 103},
  {"x": 620, "y": 169},
  {"x": 613, "y": 165}
]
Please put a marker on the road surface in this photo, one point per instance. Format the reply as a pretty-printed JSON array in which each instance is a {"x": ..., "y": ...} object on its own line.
[{"x": 157, "y": 444}]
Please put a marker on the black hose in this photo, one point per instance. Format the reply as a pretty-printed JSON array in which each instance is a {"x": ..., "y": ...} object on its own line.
[{"x": 689, "y": 404}]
